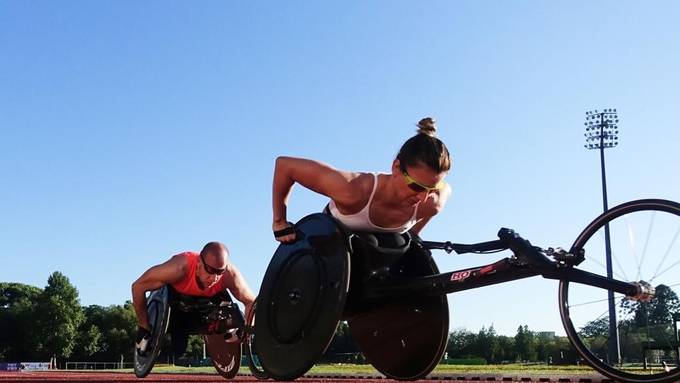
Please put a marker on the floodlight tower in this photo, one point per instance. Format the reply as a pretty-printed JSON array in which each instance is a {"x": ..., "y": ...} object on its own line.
[
  {"x": 602, "y": 132},
  {"x": 676, "y": 320}
]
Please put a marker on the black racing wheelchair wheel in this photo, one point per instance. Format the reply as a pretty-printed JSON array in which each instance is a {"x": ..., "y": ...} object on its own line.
[
  {"x": 302, "y": 298},
  {"x": 638, "y": 342},
  {"x": 249, "y": 348},
  {"x": 403, "y": 337},
  {"x": 158, "y": 312}
]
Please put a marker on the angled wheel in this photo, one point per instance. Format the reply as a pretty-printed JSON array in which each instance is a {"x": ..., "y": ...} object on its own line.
[
  {"x": 405, "y": 337},
  {"x": 158, "y": 312},
  {"x": 249, "y": 347},
  {"x": 225, "y": 353},
  {"x": 629, "y": 339},
  {"x": 302, "y": 298}
]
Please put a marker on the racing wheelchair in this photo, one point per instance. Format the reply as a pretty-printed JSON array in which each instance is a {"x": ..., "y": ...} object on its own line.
[
  {"x": 621, "y": 315},
  {"x": 218, "y": 319}
]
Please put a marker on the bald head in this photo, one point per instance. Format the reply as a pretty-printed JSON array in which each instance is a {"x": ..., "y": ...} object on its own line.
[{"x": 215, "y": 253}]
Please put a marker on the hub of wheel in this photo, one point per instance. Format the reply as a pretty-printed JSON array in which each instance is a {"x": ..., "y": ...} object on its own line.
[{"x": 645, "y": 292}]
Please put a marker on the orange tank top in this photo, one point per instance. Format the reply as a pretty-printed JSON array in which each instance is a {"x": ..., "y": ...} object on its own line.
[{"x": 188, "y": 285}]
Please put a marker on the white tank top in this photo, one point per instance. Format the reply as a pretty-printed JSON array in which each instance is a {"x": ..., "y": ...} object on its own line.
[{"x": 361, "y": 221}]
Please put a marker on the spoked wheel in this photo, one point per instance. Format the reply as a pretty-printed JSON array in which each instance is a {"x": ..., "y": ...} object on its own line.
[
  {"x": 638, "y": 341},
  {"x": 249, "y": 347}
]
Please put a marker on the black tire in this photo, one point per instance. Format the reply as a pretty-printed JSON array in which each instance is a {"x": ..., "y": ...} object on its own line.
[
  {"x": 302, "y": 298},
  {"x": 647, "y": 331},
  {"x": 248, "y": 346},
  {"x": 158, "y": 311}
]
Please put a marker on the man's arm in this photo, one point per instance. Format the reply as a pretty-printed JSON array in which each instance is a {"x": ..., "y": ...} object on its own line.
[
  {"x": 240, "y": 289},
  {"x": 169, "y": 272}
]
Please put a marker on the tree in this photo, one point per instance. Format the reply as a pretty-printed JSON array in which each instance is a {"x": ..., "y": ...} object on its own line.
[
  {"x": 596, "y": 328},
  {"x": 524, "y": 344},
  {"x": 194, "y": 347},
  {"x": 487, "y": 344},
  {"x": 506, "y": 347},
  {"x": 659, "y": 310},
  {"x": 88, "y": 342},
  {"x": 461, "y": 344},
  {"x": 117, "y": 325},
  {"x": 17, "y": 306},
  {"x": 648, "y": 325},
  {"x": 58, "y": 316},
  {"x": 342, "y": 348},
  {"x": 13, "y": 293}
]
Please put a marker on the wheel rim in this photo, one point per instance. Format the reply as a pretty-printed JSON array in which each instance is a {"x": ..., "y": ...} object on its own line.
[
  {"x": 645, "y": 245},
  {"x": 249, "y": 346}
]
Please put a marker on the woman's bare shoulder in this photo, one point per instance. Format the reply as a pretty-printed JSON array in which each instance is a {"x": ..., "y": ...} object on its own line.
[{"x": 358, "y": 191}]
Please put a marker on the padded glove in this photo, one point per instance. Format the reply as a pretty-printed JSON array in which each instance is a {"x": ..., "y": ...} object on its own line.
[{"x": 143, "y": 339}]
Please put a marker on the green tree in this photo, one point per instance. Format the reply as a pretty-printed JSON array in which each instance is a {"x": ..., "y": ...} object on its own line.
[
  {"x": 596, "y": 328},
  {"x": 58, "y": 316},
  {"x": 12, "y": 293},
  {"x": 487, "y": 345},
  {"x": 461, "y": 344},
  {"x": 595, "y": 335},
  {"x": 194, "y": 347},
  {"x": 659, "y": 310},
  {"x": 506, "y": 347},
  {"x": 17, "y": 307},
  {"x": 342, "y": 344},
  {"x": 121, "y": 325},
  {"x": 88, "y": 342},
  {"x": 117, "y": 325},
  {"x": 524, "y": 344},
  {"x": 648, "y": 325}
]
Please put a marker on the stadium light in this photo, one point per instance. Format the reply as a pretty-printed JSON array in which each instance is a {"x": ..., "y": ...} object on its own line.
[{"x": 602, "y": 132}]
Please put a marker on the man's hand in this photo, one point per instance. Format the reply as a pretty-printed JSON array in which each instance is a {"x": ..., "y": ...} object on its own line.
[{"x": 143, "y": 339}]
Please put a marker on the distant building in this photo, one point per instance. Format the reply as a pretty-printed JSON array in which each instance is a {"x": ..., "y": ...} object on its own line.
[{"x": 546, "y": 334}]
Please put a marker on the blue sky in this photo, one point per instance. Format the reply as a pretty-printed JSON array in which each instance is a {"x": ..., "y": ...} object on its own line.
[{"x": 133, "y": 131}]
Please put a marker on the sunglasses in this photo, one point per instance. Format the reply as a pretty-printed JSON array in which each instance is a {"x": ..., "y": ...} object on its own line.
[
  {"x": 211, "y": 270},
  {"x": 418, "y": 187}
]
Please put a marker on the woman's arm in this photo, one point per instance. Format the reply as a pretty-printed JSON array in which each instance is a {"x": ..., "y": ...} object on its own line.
[
  {"x": 319, "y": 177},
  {"x": 432, "y": 206}
]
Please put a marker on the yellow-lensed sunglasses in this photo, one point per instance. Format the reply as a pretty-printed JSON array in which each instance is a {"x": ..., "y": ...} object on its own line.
[{"x": 418, "y": 187}]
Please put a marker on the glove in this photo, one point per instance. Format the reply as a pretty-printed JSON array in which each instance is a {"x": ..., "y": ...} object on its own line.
[{"x": 143, "y": 339}]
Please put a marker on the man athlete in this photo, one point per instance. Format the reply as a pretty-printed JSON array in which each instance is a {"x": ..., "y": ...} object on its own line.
[{"x": 203, "y": 274}]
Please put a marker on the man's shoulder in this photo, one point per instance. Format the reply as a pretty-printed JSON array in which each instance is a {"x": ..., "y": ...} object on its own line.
[
  {"x": 186, "y": 254},
  {"x": 181, "y": 260}
]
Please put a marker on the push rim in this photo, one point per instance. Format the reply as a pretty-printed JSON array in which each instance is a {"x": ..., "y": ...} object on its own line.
[
  {"x": 158, "y": 311},
  {"x": 249, "y": 346}
]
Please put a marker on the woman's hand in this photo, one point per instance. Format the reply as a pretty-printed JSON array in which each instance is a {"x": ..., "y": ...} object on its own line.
[{"x": 284, "y": 232}]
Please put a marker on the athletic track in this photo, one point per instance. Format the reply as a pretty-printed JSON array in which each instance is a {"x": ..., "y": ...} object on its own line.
[{"x": 100, "y": 377}]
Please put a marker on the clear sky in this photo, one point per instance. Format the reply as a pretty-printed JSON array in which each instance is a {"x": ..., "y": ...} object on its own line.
[{"x": 131, "y": 131}]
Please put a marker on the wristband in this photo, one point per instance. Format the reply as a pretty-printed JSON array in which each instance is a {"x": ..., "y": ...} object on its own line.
[{"x": 282, "y": 232}]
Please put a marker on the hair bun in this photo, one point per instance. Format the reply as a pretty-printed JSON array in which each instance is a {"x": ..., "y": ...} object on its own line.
[{"x": 427, "y": 126}]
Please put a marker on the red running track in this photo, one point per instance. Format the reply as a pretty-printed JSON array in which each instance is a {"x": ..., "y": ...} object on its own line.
[
  {"x": 117, "y": 377},
  {"x": 100, "y": 377}
]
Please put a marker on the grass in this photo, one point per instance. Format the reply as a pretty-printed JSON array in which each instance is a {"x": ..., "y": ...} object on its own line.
[{"x": 348, "y": 369}]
